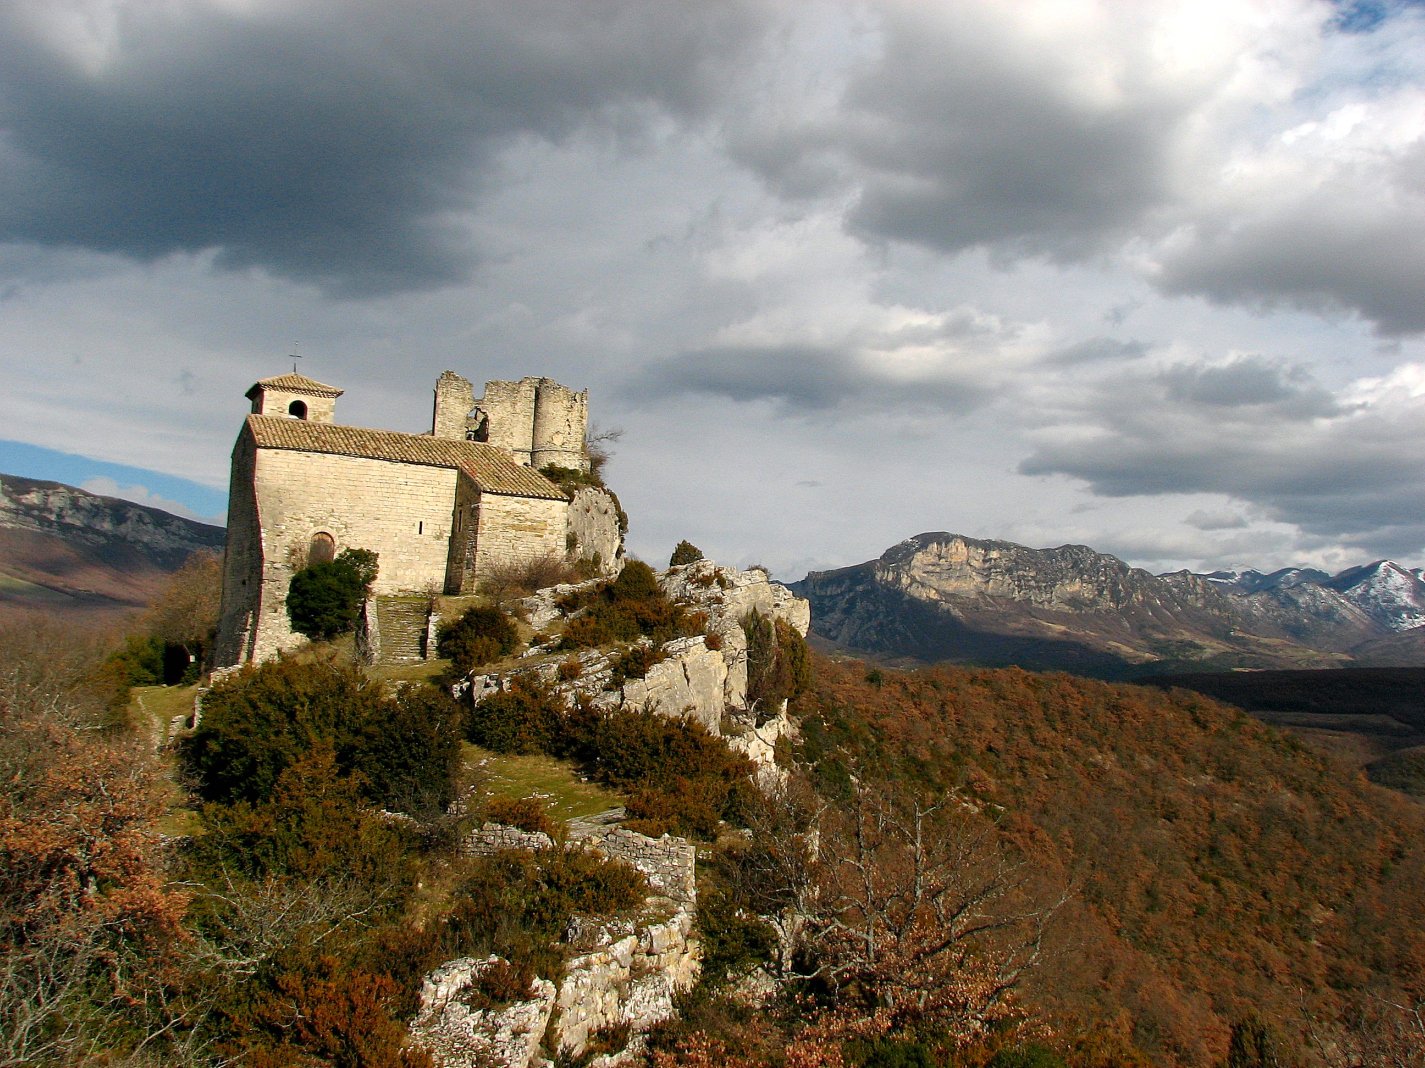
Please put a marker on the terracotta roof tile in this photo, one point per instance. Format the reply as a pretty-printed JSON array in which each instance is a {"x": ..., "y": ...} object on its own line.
[
  {"x": 491, "y": 469},
  {"x": 295, "y": 383}
]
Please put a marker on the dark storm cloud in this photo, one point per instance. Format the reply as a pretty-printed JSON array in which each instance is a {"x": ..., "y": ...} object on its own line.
[
  {"x": 1261, "y": 434},
  {"x": 1337, "y": 251},
  {"x": 957, "y": 136},
  {"x": 1246, "y": 174},
  {"x": 329, "y": 142},
  {"x": 1249, "y": 381},
  {"x": 807, "y": 380},
  {"x": 1202, "y": 519}
]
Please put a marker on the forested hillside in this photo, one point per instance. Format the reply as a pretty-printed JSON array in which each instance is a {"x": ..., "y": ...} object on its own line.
[{"x": 1220, "y": 870}]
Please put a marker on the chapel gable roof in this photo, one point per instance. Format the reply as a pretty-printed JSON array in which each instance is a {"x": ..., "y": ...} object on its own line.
[
  {"x": 295, "y": 383},
  {"x": 491, "y": 469}
]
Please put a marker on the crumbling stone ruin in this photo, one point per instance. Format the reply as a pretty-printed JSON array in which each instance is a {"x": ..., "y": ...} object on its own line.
[{"x": 441, "y": 509}]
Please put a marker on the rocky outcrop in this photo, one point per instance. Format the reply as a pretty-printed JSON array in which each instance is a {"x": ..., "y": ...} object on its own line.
[
  {"x": 701, "y": 677},
  {"x": 619, "y": 973},
  {"x": 595, "y": 532},
  {"x": 459, "y": 1036},
  {"x": 692, "y": 683},
  {"x": 728, "y": 594}
]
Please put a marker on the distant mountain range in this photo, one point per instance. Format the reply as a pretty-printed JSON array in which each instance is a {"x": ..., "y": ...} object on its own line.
[
  {"x": 945, "y": 597},
  {"x": 66, "y": 550}
]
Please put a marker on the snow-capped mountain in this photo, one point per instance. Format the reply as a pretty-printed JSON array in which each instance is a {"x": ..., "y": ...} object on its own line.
[
  {"x": 1253, "y": 581},
  {"x": 1387, "y": 592}
]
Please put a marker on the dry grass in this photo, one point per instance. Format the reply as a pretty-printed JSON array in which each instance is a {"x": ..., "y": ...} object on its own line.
[{"x": 555, "y": 782}]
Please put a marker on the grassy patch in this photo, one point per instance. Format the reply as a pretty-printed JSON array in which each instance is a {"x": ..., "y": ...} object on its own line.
[
  {"x": 152, "y": 708},
  {"x": 555, "y": 782},
  {"x": 414, "y": 671},
  {"x": 10, "y": 584}
]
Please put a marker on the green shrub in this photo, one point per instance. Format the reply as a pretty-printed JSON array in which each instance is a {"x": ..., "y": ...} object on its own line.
[
  {"x": 685, "y": 552},
  {"x": 325, "y": 600},
  {"x": 517, "y": 903},
  {"x": 314, "y": 824},
  {"x": 262, "y": 720},
  {"x": 634, "y": 663},
  {"x": 1032, "y": 1055},
  {"x": 680, "y": 777},
  {"x": 778, "y": 662},
  {"x": 636, "y": 582},
  {"x": 141, "y": 661},
  {"x": 628, "y": 608},
  {"x": 526, "y": 718},
  {"x": 891, "y": 1053},
  {"x": 479, "y": 636},
  {"x": 734, "y": 939},
  {"x": 408, "y": 752}
]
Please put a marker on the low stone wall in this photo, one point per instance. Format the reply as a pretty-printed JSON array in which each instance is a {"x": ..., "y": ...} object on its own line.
[
  {"x": 496, "y": 837},
  {"x": 668, "y": 862}
]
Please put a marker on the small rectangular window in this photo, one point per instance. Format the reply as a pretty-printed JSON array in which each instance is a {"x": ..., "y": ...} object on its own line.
[{"x": 421, "y": 527}]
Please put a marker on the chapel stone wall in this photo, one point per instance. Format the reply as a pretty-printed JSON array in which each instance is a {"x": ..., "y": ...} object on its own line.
[
  {"x": 402, "y": 512},
  {"x": 515, "y": 531}
]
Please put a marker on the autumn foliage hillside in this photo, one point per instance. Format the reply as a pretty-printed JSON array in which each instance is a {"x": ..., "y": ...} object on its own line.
[{"x": 1221, "y": 871}]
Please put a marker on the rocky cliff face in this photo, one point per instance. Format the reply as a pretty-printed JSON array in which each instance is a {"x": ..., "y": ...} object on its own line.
[
  {"x": 64, "y": 548},
  {"x": 941, "y": 596}
]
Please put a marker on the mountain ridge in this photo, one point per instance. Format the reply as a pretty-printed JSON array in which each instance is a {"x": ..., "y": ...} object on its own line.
[
  {"x": 947, "y": 597},
  {"x": 64, "y": 549}
]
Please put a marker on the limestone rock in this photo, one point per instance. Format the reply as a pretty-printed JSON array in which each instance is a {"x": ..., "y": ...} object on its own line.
[
  {"x": 594, "y": 529},
  {"x": 457, "y": 1036},
  {"x": 726, "y": 593},
  {"x": 691, "y": 682}
]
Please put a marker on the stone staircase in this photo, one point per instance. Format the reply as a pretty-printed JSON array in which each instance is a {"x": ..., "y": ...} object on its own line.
[{"x": 401, "y": 624}]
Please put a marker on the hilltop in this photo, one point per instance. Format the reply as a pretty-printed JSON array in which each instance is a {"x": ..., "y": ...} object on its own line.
[{"x": 66, "y": 550}]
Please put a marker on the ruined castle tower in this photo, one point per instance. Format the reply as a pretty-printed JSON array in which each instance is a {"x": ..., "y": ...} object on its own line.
[{"x": 540, "y": 422}]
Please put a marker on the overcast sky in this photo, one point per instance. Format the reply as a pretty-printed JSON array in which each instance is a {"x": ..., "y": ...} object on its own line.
[{"x": 1146, "y": 276}]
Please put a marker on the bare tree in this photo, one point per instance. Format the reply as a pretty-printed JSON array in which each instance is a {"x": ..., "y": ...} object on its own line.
[
  {"x": 1379, "y": 1032},
  {"x": 598, "y": 443},
  {"x": 921, "y": 914}
]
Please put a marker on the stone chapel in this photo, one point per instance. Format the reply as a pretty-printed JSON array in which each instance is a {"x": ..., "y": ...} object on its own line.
[{"x": 441, "y": 509}]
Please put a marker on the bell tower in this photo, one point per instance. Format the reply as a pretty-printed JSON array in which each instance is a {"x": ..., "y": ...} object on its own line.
[{"x": 295, "y": 396}]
